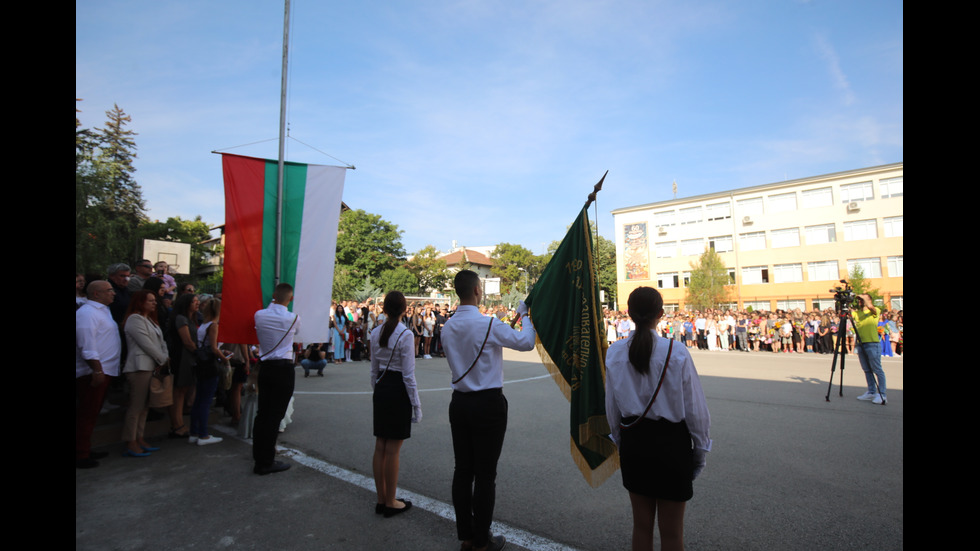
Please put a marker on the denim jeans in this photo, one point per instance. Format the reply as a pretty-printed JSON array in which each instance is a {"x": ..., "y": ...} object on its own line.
[
  {"x": 869, "y": 354},
  {"x": 318, "y": 365},
  {"x": 202, "y": 406}
]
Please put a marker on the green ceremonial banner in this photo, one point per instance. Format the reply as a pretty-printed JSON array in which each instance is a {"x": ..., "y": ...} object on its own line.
[{"x": 565, "y": 308}]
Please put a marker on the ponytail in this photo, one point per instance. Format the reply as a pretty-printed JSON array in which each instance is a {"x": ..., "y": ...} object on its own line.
[
  {"x": 394, "y": 307},
  {"x": 645, "y": 308}
]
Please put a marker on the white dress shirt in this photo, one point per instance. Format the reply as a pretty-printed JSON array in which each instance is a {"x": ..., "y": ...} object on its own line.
[
  {"x": 681, "y": 398},
  {"x": 96, "y": 338},
  {"x": 271, "y": 324},
  {"x": 400, "y": 351},
  {"x": 462, "y": 337}
]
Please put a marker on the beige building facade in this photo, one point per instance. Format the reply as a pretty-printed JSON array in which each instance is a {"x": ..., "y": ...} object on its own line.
[{"x": 785, "y": 244}]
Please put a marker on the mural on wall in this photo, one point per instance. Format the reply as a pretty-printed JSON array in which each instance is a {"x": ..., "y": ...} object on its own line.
[{"x": 636, "y": 252}]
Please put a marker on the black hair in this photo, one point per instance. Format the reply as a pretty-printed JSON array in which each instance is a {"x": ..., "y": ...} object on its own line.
[
  {"x": 465, "y": 283},
  {"x": 646, "y": 306},
  {"x": 394, "y": 307}
]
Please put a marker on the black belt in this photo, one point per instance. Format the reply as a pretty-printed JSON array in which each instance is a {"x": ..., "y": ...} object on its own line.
[
  {"x": 487, "y": 392},
  {"x": 276, "y": 363}
]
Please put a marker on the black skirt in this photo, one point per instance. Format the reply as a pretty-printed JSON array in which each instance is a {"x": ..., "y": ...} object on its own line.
[
  {"x": 657, "y": 459},
  {"x": 392, "y": 408}
]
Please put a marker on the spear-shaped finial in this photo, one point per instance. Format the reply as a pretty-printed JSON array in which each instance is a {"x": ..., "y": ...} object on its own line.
[{"x": 596, "y": 190}]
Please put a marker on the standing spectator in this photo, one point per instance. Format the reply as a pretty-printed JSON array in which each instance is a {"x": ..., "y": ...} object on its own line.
[{"x": 97, "y": 353}]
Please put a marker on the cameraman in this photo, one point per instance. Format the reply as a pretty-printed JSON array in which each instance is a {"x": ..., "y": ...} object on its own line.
[{"x": 866, "y": 317}]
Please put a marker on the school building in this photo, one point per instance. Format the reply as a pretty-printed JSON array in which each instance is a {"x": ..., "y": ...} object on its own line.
[{"x": 785, "y": 244}]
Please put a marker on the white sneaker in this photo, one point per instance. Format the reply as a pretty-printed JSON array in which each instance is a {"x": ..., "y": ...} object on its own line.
[
  {"x": 427, "y": 357},
  {"x": 880, "y": 400},
  {"x": 192, "y": 440},
  {"x": 208, "y": 440},
  {"x": 867, "y": 396}
]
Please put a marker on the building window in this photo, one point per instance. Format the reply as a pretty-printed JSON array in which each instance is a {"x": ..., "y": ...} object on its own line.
[
  {"x": 755, "y": 274},
  {"x": 783, "y": 202},
  {"x": 789, "y": 305},
  {"x": 894, "y": 226},
  {"x": 756, "y": 305},
  {"x": 753, "y": 241},
  {"x": 690, "y": 216},
  {"x": 898, "y": 303},
  {"x": 721, "y": 243},
  {"x": 860, "y": 229},
  {"x": 667, "y": 250},
  {"x": 896, "y": 266},
  {"x": 692, "y": 247},
  {"x": 731, "y": 276},
  {"x": 821, "y": 197},
  {"x": 668, "y": 280},
  {"x": 890, "y": 187},
  {"x": 787, "y": 273},
  {"x": 748, "y": 207},
  {"x": 718, "y": 211},
  {"x": 856, "y": 192},
  {"x": 821, "y": 271},
  {"x": 871, "y": 267},
  {"x": 789, "y": 237},
  {"x": 663, "y": 219},
  {"x": 824, "y": 233},
  {"x": 822, "y": 304},
  {"x": 686, "y": 278}
]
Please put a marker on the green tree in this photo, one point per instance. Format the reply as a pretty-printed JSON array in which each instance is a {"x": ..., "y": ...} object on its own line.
[
  {"x": 709, "y": 278},
  {"x": 509, "y": 260},
  {"x": 367, "y": 246},
  {"x": 399, "y": 279},
  {"x": 179, "y": 230},
  {"x": 429, "y": 269},
  {"x": 109, "y": 204},
  {"x": 862, "y": 285}
]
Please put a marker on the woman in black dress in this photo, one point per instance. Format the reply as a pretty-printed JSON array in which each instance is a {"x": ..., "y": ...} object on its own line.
[{"x": 396, "y": 401}]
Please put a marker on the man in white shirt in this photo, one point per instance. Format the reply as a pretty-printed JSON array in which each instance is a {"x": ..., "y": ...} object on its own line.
[
  {"x": 275, "y": 327},
  {"x": 98, "y": 348},
  {"x": 478, "y": 411}
]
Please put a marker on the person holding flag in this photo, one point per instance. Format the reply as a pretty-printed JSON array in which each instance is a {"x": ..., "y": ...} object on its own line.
[{"x": 478, "y": 411}]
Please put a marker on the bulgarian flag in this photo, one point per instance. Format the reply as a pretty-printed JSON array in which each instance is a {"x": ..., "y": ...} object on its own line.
[
  {"x": 310, "y": 212},
  {"x": 564, "y": 305}
]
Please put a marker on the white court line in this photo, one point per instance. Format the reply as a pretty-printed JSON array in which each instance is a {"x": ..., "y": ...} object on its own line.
[
  {"x": 548, "y": 376},
  {"x": 514, "y": 535}
]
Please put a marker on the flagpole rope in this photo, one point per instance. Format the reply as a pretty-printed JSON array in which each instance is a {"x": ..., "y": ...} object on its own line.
[{"x": 345, "y": 163}]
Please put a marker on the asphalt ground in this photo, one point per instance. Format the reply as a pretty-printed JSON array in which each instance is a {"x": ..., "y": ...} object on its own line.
[{"x": 788, "y": 470}]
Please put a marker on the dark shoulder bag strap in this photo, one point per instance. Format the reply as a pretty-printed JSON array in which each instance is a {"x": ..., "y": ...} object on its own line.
[
  {"x": 480, "y": 353},
  {"x": 393, "y": 348},
  {"x": 670, "y": 349}
]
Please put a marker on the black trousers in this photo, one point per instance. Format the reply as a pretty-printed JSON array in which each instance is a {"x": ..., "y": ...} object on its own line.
[
  {"x": 478, "y": 421},
  {"x": 277, "y": 378}
]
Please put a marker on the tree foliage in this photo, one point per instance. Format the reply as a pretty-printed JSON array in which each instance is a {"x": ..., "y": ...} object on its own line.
[
  {"x": 429, "y": 270},
  {"x": 709, "y": 278},
  {"x": 109, "y": 204},
  {"x": 862, "y": 285},
  {"x": 509, "y": 260},
  {"x": 370, "y": 247}
]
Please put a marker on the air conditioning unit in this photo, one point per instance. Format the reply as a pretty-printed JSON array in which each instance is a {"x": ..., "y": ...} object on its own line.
[
  {"x": 853, "y": 206},
  {"x": 746, "y": 220}
]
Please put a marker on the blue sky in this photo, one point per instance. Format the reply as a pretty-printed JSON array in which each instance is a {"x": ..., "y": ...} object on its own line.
[{"x": 489, "y": 121}]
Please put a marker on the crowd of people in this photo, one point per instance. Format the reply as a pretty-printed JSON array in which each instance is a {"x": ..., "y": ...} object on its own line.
[
  {"x": 163, "y": 338},
  {"x": 785, "y": 331}
]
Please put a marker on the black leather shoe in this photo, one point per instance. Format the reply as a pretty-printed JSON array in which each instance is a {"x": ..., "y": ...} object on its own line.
[
  {"x": 389, "y": 512},
  {"x": 275, "y": 467}
]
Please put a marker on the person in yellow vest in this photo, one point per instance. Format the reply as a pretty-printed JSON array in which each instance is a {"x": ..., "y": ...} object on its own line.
[{"x": 866, "y": 317}]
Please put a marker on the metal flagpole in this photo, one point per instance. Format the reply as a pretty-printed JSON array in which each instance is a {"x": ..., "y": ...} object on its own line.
[{"x": 282, "y": 140}]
